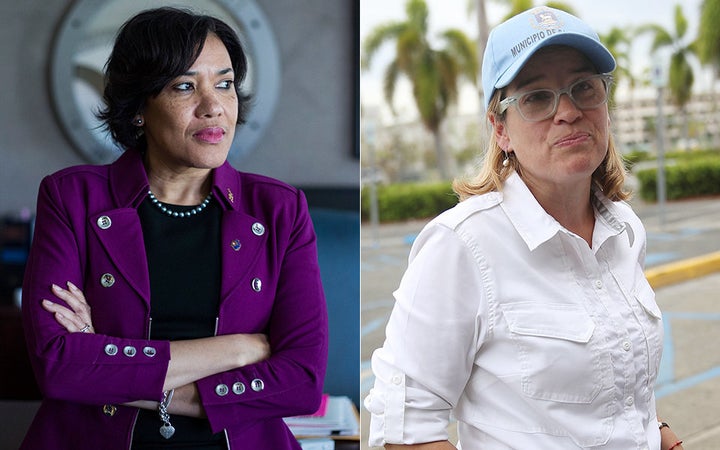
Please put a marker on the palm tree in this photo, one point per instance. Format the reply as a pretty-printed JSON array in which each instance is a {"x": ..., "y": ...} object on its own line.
[
  {"x": 709, "y": 33},
  {"x": 483, "y": 34},
  {"x": 708, "y": 40},
  {"x": 619, "y": 41},
  {"x": 518, "y": 6},
  {"x": 680, "y": 73},
  {"x": 433, "y": 73}
]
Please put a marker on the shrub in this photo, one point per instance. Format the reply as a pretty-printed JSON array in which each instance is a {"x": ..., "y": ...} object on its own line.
[
  {"x": 634, "y": 157},
  {"x": 691, "y": 178},
  {"x": 406, "y": 201}
]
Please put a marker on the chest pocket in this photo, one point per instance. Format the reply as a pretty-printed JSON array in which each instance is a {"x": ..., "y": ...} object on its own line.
[
  {"x": 651, "y": 322},
  {"x": 560, "y": 357}
]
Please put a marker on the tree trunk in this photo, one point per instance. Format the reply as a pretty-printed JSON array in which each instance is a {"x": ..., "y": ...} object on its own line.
[
  {"x": 685, "y": 128},
  {"x": 713, "y": 132},
  {"x": 445, "y": 163},
  {"x": 483, "y": 32}
]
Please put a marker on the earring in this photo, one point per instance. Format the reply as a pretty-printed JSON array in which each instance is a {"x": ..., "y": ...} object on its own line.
[
  {"x": 138, "y": 121},
  {"x": 506, "y": 161}
]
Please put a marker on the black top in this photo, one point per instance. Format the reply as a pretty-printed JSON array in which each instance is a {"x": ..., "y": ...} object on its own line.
[{"x": 184, "y": 263}]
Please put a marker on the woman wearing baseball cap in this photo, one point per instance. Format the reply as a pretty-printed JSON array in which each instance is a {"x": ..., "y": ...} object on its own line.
[{"x": 524, "y": 311}]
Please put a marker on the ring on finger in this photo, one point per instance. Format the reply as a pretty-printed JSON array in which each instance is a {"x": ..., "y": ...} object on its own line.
[{"x": 86, "y": 328}]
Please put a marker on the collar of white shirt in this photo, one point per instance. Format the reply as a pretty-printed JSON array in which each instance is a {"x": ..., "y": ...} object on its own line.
[{"x": 537, "y": 226}]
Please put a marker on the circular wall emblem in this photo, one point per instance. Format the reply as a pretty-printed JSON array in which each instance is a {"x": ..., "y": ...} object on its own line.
[{"x": 84, "y": 40}]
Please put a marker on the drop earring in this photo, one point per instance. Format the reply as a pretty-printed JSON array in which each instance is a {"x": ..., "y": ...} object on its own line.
[{"x": 506, "y": 161}]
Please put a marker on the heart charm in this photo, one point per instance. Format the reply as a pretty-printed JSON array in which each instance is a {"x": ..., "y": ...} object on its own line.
[{"x": 167, "y": 431}]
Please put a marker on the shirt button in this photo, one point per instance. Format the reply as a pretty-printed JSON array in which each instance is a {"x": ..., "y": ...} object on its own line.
[
  {"x": 104, "y": 222},
  {"x": 111, "y": 349},
  {"x": 238, "y": 388},
  {"x": 626, "y": 346},
  {"x": 257, "y": 284},
  {"x": 396, "y": 380},
  {"x": 129, "y": 351},
  {"x": 257, "y": 385},
  {"x": 149, "y": 351},
  {"x": 629, "y": 401},
  {"x": 598, "y": 284},
  {"x": 221, "y": 390}
]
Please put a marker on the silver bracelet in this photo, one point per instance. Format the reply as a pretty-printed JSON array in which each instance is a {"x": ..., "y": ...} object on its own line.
[{"x": 166, "y": 430}]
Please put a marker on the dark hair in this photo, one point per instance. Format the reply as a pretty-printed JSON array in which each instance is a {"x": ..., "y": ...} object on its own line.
[{"x": 151, "y": 49}]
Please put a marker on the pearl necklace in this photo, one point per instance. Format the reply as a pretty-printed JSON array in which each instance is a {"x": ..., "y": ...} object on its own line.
[{"x": 172, "y": 213}]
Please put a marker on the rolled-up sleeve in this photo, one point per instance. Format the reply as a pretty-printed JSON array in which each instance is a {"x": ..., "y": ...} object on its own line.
[{"x": 432, "y": 337}]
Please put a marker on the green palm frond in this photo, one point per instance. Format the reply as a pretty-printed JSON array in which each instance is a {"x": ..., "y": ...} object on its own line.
[
  {"x": 619, "y": 41},
  {"x": 708, "y": 42},
  {"x": 462, "y": 49},
  {"x": 680, "y": 79},
  {"x": 680, "y": 73},
  {"x": 562, "y": 6},
  {"x": 433, "y": 73},
  {"x": 378, "y": 36},
  {"x": 681, "y": 23},
  {"x": 660, "y": 36},
  {"x": 390, "y": 78},
  {"x": 417, "y": 13}
]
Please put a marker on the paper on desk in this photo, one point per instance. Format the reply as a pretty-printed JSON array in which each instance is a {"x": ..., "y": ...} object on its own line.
[
  {"x": 339, "y": 420},
  {"x": 317, "y": 444}
]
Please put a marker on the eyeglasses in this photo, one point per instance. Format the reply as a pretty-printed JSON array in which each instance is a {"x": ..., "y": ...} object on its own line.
[{"x": 541, "y": 104}]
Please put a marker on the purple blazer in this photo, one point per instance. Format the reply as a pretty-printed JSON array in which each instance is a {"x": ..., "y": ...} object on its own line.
[{"x": 88, "y": 232}]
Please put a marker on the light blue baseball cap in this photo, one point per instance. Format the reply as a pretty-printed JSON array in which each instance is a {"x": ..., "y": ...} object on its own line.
[{"x": 514, "y": 41}]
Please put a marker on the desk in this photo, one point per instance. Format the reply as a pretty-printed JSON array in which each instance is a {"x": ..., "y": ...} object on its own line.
[
  {"x": 341, "y": 442},
  {"x": 347, "y": 444},
  {"x": 334, "y": 408}
]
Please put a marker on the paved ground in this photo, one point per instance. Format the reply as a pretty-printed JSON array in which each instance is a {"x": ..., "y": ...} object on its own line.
[{"x": 689, "y": 384}]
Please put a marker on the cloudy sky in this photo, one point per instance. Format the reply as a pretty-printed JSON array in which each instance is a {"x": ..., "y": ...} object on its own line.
[{"x": 602, "y": 15}]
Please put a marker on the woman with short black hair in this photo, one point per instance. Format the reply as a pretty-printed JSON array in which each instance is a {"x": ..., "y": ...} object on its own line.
[{"x": 171, "y": 301}]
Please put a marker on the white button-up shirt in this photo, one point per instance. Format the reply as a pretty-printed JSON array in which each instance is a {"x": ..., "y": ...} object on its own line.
[{"x": 528, "y": 336}]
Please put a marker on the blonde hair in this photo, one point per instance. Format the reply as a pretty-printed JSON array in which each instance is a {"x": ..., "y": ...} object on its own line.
[{"x": 609, "y": 176}]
